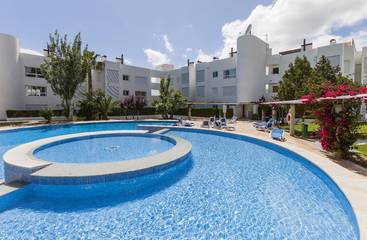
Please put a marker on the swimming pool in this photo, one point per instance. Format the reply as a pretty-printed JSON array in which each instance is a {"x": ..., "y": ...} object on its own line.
[
  {"x": 231, "y": 187},
  {"x": 103, "y": 148},
  {"x": 12, "y": 138}
]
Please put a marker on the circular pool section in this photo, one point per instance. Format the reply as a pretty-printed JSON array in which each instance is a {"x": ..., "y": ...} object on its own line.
[{"x": 103, "y": 148}]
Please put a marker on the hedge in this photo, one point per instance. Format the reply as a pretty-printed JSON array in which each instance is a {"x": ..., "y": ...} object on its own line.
[
  {"x": 145, "y": 111},
  {"x": 29, "y": 113},
  {"x": 195, "y": 112}
]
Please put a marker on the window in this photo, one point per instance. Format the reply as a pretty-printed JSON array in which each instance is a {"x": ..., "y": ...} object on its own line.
[
  {"x": 275, "y": 89},
  {"x": 334, "y": 60},
  {"x": 125, "y": 77},
  {"x": 215, "y": 91},
  {"x": 141, "y": 80},
  {"x": 229, "y": 73},
  {"x": 140, "y": 93},
  {"x": 200, "y": 91},
  {"x": 267, "y": 88},
  {"x": 154, "y": 92},
  {"x": 185, "y": 91},
  {"x": 125, "y": 92},
  {"x": 155, "y": 80},
  {"x": 36, "y": 91},
  {"x": 200, "y": 76},
  {"x": 185, "y": 78},
  {"x": 346, "y": 66},
  {"x": 215, "y": 74},
  {"x": 275, "y": 70},
  {"x": 229, "y": 91},
  {"x": 33, "y": 72}
]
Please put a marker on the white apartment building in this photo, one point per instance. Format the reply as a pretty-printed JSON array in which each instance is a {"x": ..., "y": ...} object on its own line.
[{"x": 238, "y": 81}]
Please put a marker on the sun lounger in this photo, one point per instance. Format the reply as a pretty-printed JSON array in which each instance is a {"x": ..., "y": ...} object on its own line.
[
  {"x": 277, "y": 134},
  {"x": 233, "y": 119},
  {"x": 255, "y": 124},
  {"x": 267, "y": 127},
  {"x": 205, "y": 124},
  {"x": 217, "y": 124},
  {"x": 228, "y": 127}
]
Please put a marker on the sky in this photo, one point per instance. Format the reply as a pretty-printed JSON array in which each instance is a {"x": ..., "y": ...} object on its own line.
[{"x": 150, "y": 32}]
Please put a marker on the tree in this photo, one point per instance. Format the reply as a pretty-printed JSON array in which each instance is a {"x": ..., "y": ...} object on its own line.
[
  {"x": 178, "y": 101},
  {"x": 295, "y": 80},
  {"x": 90, "y": 59},
  {"x": 169, "y": 101},
  {"x": 88, "y": 106},
  {"x": 127, "y": 104},
  {"x": 105, "y": 104},
  {"x": 96, "y": 105},
  {"x": 325, "y": 72},
  {"x": 65, "y": 69},
  {"x": 139, "y": 105},
  {"x": 338, "y": 119},
  {"x": 47, "y": 114}
]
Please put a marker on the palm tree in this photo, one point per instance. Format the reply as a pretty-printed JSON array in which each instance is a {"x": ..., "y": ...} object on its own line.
[
  {"x": 105, "y": 104},
  {"x": 90, "y": 59},
  {"x": 169, "y": 101}
]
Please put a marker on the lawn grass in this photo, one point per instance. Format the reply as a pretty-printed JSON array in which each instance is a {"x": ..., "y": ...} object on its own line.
[
  {"x": 361, "y": 148},
  {"x": 313, "y": 128},
  {"x": 362, "y": 131}
]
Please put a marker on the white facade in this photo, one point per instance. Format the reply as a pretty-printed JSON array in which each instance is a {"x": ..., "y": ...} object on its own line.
[{"x": 239, "y": 80}]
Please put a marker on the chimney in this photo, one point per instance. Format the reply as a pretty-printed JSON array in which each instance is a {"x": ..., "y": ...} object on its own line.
[
  {"x": 103, "y": 58},
  {"x": 120, "y": 59},
  {"x": 231, "y": 54},
  {"x": 188, "y": 62},
  {"x": 46, "y": 51}
]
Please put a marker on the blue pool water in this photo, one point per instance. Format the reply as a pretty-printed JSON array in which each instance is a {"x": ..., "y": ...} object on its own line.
[
  {"x": 229, "y": 188},
  {"x": 105, "y": 148},
  {"x": 12, "y": 138}
]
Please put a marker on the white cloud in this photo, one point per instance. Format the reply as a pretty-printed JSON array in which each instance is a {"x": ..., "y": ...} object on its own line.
[
  {"x": 155, "y": 57},
  {"x": 287, "y": 22},
  {"x": 167, "y": 44},
  {"x": 203, "y": 57},
  {"x": 188, "y": 49},
  {"x": 128, "y": 61}
]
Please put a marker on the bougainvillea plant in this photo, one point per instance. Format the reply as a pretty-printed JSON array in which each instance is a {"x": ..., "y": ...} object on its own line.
[{"x": 338, "y": 118}]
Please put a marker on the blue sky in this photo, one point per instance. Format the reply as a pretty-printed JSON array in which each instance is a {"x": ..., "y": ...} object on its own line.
[{"x": 171, "y": 31}]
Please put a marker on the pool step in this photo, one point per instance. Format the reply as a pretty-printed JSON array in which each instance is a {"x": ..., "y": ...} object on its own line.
[
  {"x": 161, "y": 131},
  {"x": 9, "y": 188}
]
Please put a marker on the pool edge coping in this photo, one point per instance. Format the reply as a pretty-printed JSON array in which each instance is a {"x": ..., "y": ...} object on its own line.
[{"x": 40, "y": 169}]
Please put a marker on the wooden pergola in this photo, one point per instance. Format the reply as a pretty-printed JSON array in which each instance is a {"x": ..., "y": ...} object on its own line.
[{"x": 293, "y": 103}]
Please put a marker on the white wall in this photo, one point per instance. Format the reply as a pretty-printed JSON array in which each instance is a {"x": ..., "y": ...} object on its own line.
[
  {"x": 9, "y": 79},
  {"x": 36, "y": 102},
  {"x": 251, "y": 62},
  {"x": 364, "y": 65}
]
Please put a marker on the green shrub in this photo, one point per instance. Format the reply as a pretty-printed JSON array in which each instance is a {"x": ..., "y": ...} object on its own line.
[
  {"x": 29, "y": 113},
  {"x": 47, "y": 114}
]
